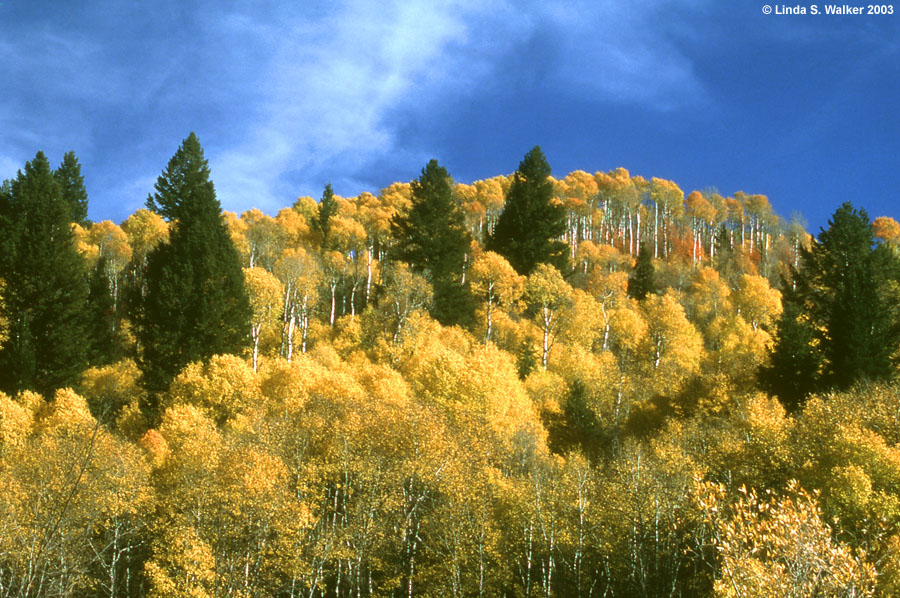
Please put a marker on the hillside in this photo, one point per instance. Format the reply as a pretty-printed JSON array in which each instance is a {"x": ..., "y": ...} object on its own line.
[{"x": 592, "y": 385}]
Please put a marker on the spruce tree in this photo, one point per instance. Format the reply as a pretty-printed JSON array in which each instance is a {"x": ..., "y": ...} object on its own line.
[
  {"x": 328, "y": 207},
  {"x": 841, "y": 325},
  {"x": 195, "y": 304},
  {"x": 794, "y": 367},
  {"x": 845, "y": 280},
  {"x": 528, "y": 228},
  {"x": 46, "y": 287},
  {"x": 71, "y": 185},
  {"x": 431, "y": 237},
  {"x": 101, "y": 317},
  {"x": 642, "y": 281}
]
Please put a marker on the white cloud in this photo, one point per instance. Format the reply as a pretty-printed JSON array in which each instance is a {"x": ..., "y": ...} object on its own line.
[
  {"x": 8, "y": 167},
  {"x": 329, "y": 92},
  {"x": 284, "y": 96}
]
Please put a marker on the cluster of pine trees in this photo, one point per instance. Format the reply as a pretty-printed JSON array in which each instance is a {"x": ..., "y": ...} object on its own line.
[{"x": 525, "y": 386}]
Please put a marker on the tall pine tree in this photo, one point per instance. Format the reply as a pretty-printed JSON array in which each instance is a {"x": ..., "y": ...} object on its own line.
[
  {"x": 71, "y": 185},
  {"x": 845, "y": 281},
  {"x": 328, "y": 207},
  {"x": 46, "y": 287},
  {"x": 431, "y": 237},
  {"x": 530, "y": 225},
  {"x": 795, "y": 365},
  {"x": 195, "y": 304},
  {"x": 642, "y": 281},
  {"x": 841, "y": 325}
]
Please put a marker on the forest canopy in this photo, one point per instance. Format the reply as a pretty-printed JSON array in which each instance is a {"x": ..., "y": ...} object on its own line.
[{"x": 528, "y": 385}]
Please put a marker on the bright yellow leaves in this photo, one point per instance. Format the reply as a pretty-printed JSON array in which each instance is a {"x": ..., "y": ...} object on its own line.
[
  {"x": 496, "y": 284},
  {"x": 15, "y": 424},
  {"x": 779, "y": 546},
  {"x": 109, "y": 389},
  {"x": 145, "y": 230},
  {"x": 547, "y": 294},
  {"x": 266, "y": 303},
  {"x": 222, "y": 388},
  {"x": 672, "y": 347},
  {"x": 757, "y": 302},
  {"x": 887, "y": 230},
  {"x": 72, "y": 497}
]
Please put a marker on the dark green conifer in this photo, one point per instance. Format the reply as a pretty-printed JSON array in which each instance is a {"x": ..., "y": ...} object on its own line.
[
  {"x": 71, "y": 185},
  {"x": 526, "y": 359},
  {"x": 431, "y": 237},
  {"x": 528, "y": 228},
  {"x": 102, "y": 320},
  {"x": 328, "y": 207},
  {"x": 844, "y": 279},
  {"x": 195, "y": 304},
  {"x": 642, "y": 281},
  {"x": 46, "y": 288},
  {"x": 841, "y": 325},
  {"x": 794, "y": 368}
]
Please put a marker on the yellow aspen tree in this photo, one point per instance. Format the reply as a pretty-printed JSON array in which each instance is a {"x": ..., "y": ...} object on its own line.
[
  {"x": 708, "y": 298},
  {"x": 263, "y": 242},
  {"x": 405, "y": 292},
  {"x": 673, "y": 348},
  {"x": 668, "y": 205},
  {"x": 547, "y": 294},
  {"x": 496, "y": 283},
  {"x": 145, "y": 230},
  {"x": 300, "y": 277},
  {"x": 266, "y": 295},
  {"x": 109, "y": 389},
  {"x": 579, "y": 191},
  {"x": 772, "y": 546},
  {"x": 104, "y": 240},
  {"x": 702, "y": 214},
  {"x": 887, "y": 230},
  {"x": 349, "y": 236},
  {"x": 627, "y": 332},
  {"x": 223, "y": 388},
  {"x": 491, "y": 194},
  {"x": 757, "y": 302},
  {"x": 375, "y": 217}
]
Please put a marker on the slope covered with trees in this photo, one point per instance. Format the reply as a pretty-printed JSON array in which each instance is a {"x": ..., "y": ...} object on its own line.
[{"x": 527, "y": 386}]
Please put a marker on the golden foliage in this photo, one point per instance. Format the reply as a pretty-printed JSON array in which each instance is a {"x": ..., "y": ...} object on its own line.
[
  {"x": 224, "y": 387},
  {"x": 779, "y": 546}
]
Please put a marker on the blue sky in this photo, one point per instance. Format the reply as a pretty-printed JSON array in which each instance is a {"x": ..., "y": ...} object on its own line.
[{"x": 287, "y": 96}]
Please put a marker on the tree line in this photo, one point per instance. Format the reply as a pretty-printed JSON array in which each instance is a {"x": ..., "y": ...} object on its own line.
[{"x": 582, "y": 386}]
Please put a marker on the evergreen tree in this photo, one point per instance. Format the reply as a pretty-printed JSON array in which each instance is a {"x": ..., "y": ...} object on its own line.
[
  {"x": 528, "y": 228},
  {"x": 195, "y": 304},
  {"x": 842, "y": 324},
  {"x": 46, "y": 287},
  {"x": 328, "y": 207},
  {"x": 101, "y": 317},
  {"x": 526, "y": 359},
  {"x": 431, "y": 237},
  {"x": 845, "y": 280},
  {"x": 795, "y": 364},
  {"x": 642, "y": 281},
  {"x": 71, "y": 184}
]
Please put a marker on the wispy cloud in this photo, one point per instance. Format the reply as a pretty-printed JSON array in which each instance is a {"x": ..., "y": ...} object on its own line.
[
  {"x": 287, "y": 97},
  {"x": 336, "y": 89},
  {"x": 326, "y": 92}
]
